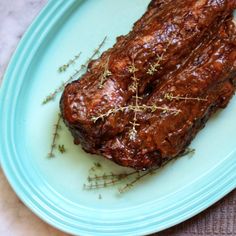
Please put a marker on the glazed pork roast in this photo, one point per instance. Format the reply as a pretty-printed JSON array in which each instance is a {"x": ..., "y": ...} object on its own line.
[{"x": 144, "y": 100}]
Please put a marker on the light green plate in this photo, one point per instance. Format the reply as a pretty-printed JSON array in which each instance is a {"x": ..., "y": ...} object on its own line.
[{"x": 53, "y": 189}]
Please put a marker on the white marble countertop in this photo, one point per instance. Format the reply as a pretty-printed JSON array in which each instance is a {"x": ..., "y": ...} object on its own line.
[{"x": 15, "y": 218}]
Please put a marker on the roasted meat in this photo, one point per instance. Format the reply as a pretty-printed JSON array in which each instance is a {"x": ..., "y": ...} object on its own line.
[
  {"x": 131, "y": 106},
  {"x": 203, "y": 85}
]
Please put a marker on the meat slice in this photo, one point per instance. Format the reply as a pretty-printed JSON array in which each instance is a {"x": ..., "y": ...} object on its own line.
[
  {"x": 198, "y": 89},
  {"x": 158, "y": 44}
]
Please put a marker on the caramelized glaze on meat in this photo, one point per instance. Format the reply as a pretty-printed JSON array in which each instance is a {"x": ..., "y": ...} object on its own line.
[{"x": 196, "y": 43}]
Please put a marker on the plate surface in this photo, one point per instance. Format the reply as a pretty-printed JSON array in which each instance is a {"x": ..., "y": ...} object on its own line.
[{"x": 53, "y": 188}]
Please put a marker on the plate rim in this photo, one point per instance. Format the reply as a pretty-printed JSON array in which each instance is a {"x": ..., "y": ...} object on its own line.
[{"x": 40, "y": 27}]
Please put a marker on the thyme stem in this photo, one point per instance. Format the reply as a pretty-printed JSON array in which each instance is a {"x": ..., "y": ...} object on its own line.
[
  {"x": 107, "y": 180},
  {"x": 55, "y": 136},
  {"x": 105, "y": 75},
  {"x": 138, "y": 108},
  {"x": 52, "y": 95},
  {"x": 134, "y": 87},
  {"x": 131, "y": 184},
  {"x": 111, "y": 176},
  {"x": 171, "y": 97}
]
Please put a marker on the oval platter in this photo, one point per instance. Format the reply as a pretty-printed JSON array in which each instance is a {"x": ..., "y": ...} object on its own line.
[{"x": 53, "y": 188}]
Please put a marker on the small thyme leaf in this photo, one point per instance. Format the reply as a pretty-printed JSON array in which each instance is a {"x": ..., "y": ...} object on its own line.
[
  {"x": 188, "y": 151},
  {"x": 64, "y": 67},
  {"x": 61, "y": 148},
  {"x": 97, "y": 164},
  {"x": 132, "y": 69},
  {"x": 76, "y": 75}
]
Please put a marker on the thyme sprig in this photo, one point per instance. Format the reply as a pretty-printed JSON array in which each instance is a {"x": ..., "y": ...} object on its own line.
[
  {"x": 171, "y": 97},
  {"x": 107, "y": 180},
  {"x": 105, "y": 75},
  {"x": 53, "y": 95},
  {"x": 97, "y": 185},
  {"x": 64, "y": 67},
  {"x": 57, "y": 127},
  {"x": 141, "y": 175},
  {"x": 138, "y": 108},
  {"x": 133, "y": 182},
  {"x": 76, "y": 75},
  {"x": 110, "y": 176},
  {"x": 134, "y": 88},
  {"x": 154, "y": 67}
]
